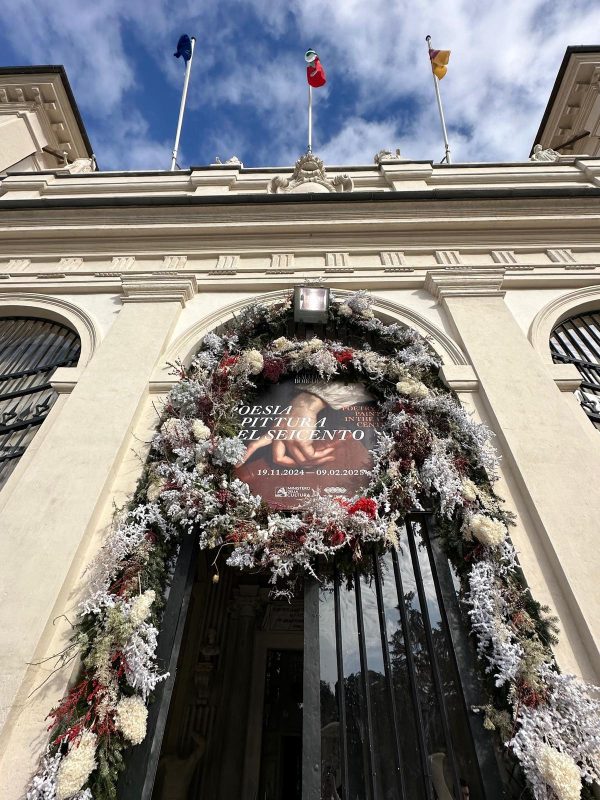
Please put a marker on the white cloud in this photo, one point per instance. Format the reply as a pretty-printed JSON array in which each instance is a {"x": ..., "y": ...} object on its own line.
[{"x": 505, "y": 56}]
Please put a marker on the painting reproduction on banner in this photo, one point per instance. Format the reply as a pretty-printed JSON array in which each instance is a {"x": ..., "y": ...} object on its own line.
[{"x": 308, "y": 437}]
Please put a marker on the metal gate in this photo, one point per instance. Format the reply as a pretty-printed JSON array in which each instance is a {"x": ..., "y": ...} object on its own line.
[{"x": 389, "y": 683}]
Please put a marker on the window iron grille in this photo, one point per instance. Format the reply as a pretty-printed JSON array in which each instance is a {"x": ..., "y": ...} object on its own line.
[
  {"x": 577, "y": 341},
  {"x": 30, "y": 351}
]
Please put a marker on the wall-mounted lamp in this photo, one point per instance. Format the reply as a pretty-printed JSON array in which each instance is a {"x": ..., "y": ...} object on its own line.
[{"x": 311, "y": 304}]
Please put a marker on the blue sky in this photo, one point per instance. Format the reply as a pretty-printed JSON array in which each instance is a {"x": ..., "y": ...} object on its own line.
[{"x": 248, "y": 88}]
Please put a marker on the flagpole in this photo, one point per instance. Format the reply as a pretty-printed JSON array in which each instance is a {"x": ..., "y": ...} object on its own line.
[
  {"x": 309, "y": 150},
  {"x": 186, "y": 80},
  {"x": 436, "y": 85}
]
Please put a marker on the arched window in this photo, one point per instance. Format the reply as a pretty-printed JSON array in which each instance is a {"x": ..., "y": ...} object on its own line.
[
  {"x": 577, "y": 341},
  {"x": 30, "y": 351}
]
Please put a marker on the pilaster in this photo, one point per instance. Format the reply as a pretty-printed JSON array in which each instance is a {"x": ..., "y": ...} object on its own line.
[
  {"x": 553, "y": 457},
  {"x": 53, "y": 509}
]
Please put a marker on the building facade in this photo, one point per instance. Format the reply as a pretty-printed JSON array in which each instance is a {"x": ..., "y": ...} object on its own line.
[{"x": 497, "y": 264}]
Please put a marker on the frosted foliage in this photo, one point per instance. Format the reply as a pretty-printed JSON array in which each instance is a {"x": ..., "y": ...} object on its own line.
[
  {"x": 496, "y": 641},
  {"x": 43, "y": 784},
  {"x": 568, "y": 722},
  {"x": 439, "y": 473},
  {"x": 184, "y": 396},
  {"x": 473, "y": 436},
  {"x": 140, "y": 660},
  {"x": 122, "y": 542}
]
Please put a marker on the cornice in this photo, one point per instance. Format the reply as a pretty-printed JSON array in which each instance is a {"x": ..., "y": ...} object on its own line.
[
  {"x": 443, "y": 284},
  {"x": 448, "y": 194},
  {"x": 158, "y": 287}
]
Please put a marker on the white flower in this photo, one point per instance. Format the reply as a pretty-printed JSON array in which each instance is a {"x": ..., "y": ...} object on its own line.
[
  {"x": 372, "y": 362},
  {"x": 469, "y": 490},
  {"x": 490, "y": 532},
  {"x": 282, "y": 345},
  {"x": 77, "y": 766},
  {"x": 250, "y": 361},
  {"x": 344, "y": 310},
  {"x": 173, "y": 428},
  {"x": 312, "y": 345},
  {"x": 141, "y": 607},
  {"x": 132, "y": 718},
  {"x": 200, "y": 431},
  {"x": 412, "y": 388},
  {"x": 560, "y": 772}
]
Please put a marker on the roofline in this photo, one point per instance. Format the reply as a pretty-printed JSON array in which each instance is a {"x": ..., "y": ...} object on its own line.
[
  {"x": 55, "y": 69},
  {"x": 159, "y": 173},
  {"x": 431, "y": 195},
  {"x": 571, "y": 50}
]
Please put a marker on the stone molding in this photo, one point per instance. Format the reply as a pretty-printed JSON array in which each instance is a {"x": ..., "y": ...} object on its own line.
[
  {"x": 460, "y": 377},
  {"x": 228, "y": 263},
  {"x": 18, "y": 264},
  {"x": 123, "y": 263},
  {"x": 158, "y": 288},
  {"x": 282, "y": 261},
  {"x": 449, "y": 258},
  {"x": 579, "y": 301},
  {"x": 70, "y": 263},
  {"x": 56, "y": 309},
  {"x": 465, "y": 283},
  {"x": 337, "y": 259},
  {"x": 185, "y": 345},
  {"x": 174, "y": 262},
  {"x": 565, "y": 376},
  {"x": 64, "y": 379}
]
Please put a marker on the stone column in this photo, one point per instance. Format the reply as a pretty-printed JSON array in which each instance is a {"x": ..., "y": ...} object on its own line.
[
  {"x": 552, "y": 456},
  {"x": 47, "y": 519}
]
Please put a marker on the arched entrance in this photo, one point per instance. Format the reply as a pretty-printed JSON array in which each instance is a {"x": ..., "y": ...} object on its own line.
[{"x": 360, "y": 688}]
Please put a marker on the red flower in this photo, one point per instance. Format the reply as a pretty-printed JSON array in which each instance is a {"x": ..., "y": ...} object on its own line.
[
  {"x": 365, "y": 504},
  {"x": 228, "y": 361},
  {"x": 343, "y": 356},
  {"x": 337, "y": 537},
  {"x": 273, "y": 368}
]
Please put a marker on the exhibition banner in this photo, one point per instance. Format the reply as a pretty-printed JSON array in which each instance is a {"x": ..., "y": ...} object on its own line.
[{"x": 308, "y": 437}]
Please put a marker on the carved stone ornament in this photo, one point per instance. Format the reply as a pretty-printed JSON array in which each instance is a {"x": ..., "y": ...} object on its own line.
[
  {"x": 387, "y": 155},
  {"x": 309, "y": 175},
  {"x": 539, "y": 154},
  {"x": 234, "y": 161}
]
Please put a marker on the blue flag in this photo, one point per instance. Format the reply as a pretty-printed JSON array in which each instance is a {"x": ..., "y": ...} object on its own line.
[{"x": 184, "y": 47}]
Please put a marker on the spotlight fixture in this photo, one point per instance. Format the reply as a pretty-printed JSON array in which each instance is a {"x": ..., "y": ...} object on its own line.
[{"x": 311, "y": 304}]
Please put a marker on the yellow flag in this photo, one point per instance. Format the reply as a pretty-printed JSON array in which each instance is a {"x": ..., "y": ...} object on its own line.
[{"x": 439, "y": 60}]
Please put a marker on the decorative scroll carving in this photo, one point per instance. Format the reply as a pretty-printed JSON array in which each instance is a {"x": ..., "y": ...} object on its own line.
[{"x": 309, "y": 175}]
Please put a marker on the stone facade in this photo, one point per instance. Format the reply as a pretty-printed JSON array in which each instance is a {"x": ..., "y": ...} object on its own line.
[{"x": 484, "y": 259}]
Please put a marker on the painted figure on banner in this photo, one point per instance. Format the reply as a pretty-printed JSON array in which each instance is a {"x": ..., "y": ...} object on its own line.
[{"x": 305, "y": 439}]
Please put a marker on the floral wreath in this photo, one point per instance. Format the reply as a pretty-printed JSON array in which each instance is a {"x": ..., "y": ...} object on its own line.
[{"x": 428, "y": 445}]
